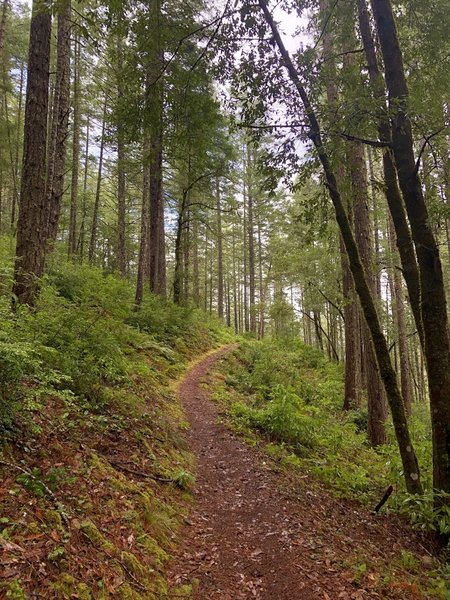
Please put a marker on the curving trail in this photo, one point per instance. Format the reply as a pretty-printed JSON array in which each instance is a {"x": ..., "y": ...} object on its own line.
[{"x": 254, "y": 533}]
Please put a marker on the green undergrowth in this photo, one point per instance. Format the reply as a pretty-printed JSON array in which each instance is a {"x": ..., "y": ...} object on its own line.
[
  {"x": 94, "y": 471},
  {"x": 293, "y": 395}
]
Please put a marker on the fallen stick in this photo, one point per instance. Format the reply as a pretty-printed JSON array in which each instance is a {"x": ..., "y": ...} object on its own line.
[{"x": 384, "y": 499}]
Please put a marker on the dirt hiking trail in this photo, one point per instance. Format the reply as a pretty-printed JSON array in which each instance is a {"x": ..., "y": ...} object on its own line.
[{"x": 258, "y": 533}]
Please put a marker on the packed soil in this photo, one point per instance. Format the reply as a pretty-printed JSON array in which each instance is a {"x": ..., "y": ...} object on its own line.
[{"x": 257, "y": 531}]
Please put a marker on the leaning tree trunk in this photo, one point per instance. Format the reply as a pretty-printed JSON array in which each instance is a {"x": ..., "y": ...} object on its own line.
[
  {"x": 33, "y": 210},
  {"x": 407, "y": 453},
  {"x": 433, "y": 301}
]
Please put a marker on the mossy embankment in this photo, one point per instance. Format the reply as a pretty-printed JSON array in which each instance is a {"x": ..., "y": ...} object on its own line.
[{"x": 94, "y": 470}]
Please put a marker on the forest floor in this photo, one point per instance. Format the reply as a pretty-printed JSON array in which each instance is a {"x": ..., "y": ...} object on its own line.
[{"x": 257, "y": 531}]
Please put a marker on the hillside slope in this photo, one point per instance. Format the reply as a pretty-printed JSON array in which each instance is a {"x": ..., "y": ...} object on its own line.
[{"x": 94, "y": 469}]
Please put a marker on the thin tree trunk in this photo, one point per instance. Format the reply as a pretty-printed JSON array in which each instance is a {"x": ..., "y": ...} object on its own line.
[
  {"x": 145, "y": 227},
  {"x": 72, "y": 245},
  {"x": 95, "y": 213},
  {"x": 121, "y": 180},
  {"x": 400, "y": 318},
  {"x": 376, "y": 403},
  {"x": 251, "y": 243},
  {"x": 186, "y": 244},
  {"x": 82, "y": 238},
  {"x": 178, "y": 273},
  {"x": 219, "y": 252},
  {"x": 15, "y": 199},
  {"x": 195, "y": 263},
  {"x": 261, "y": 284},
  {"x": 376, "y": 228},
  {"x": 162, "y": 275},
  {"x": 245, "y": 252},
  {"x": 235, "y": 290}
]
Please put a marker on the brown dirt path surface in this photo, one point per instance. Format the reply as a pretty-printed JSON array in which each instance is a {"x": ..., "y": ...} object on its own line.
[{"x": 256, "y": 533}]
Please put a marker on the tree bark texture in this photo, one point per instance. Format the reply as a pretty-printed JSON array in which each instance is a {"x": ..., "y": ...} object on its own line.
[
  {"x": 72, "y": 245},
  {"x": 33, "y": 209},
  {"x": 392, "y": 192},
  {"x": 433, "y": 301},
  {"x": 60, "y": 122}
]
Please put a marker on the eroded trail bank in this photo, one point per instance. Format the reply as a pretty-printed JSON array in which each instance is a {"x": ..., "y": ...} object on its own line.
[{"x": 257, "y": 533}]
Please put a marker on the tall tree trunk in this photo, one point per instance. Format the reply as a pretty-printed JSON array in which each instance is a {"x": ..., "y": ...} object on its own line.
[
  {"x": 376, "y": 403},
  {"x": 72, "y": 245},
  {"x": 407, "y": 453},
  {"x": 145, "y": 227},
  {"x": 178, "y": 273},
  {"x": 352, "y": 383},
  {"x": 155, "y": 96},
  {"x": 205, "y": 272},
  {"x": 15, "y": 199},
  {"x": 261, "y": 284},
  {"x": 82, "y": 238},
  {"x": 433, "y": 301},
  {"x": 121, "y": 180},
  {"x": 3, "y": 72},
  {"x": 376, "y": 228},
  {"x": 186, "y": 245},
  {"x": 235, "y": 284},
  {"x": 400, "y": 318},
  {"x": 245, "y": 265},
  {"x": 60, "y": 122},
  {"x": 95, "y": 213},
  {"x": 251, "y": 242},
  {"x": 195, "y": 263},
  {"x": 5, "y": 8},
  {"x": 219, "y": 252},
  {"x": 33, "y": 209},
  {"x": 392, "y": 192},
  {"x": 162, "y": 275}
]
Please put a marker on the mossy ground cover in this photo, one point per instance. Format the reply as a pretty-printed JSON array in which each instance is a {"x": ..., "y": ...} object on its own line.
[{"x": 94, "y": 470}]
